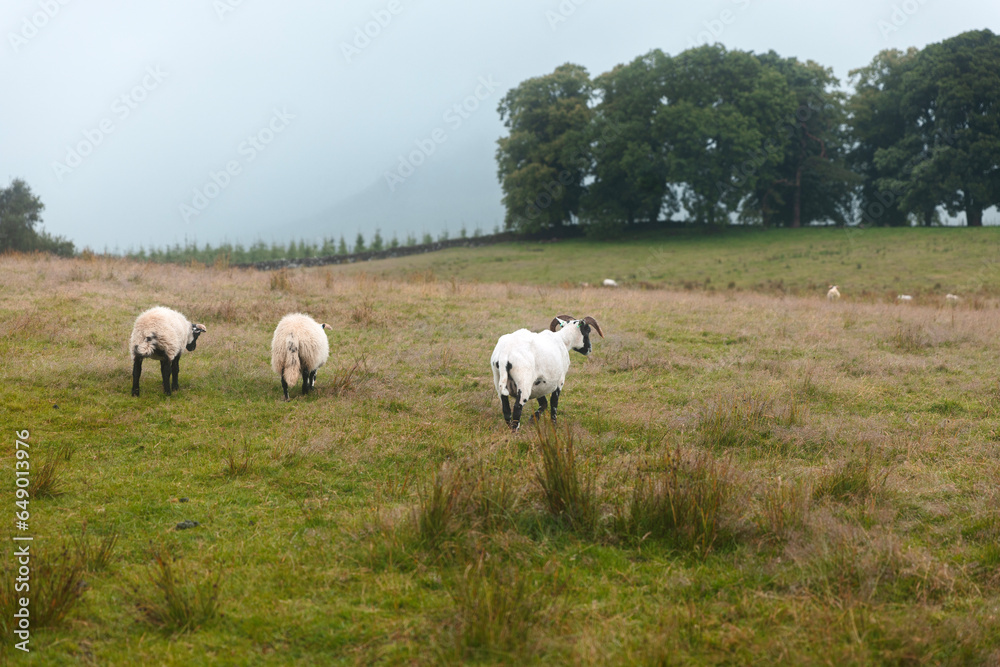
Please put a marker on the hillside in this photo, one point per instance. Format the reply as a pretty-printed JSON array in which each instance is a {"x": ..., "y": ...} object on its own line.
[{"x": 756, "y": 477}]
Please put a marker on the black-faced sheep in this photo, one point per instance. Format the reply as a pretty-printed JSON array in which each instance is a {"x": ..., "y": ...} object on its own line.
[
  {"x": 299, "y": 347},
  {"x": 529, "y": 365},
  {"x": 161, "y": 333}
]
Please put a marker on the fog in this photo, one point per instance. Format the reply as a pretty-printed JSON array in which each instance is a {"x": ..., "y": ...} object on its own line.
[{"x": 152, "y": 123}]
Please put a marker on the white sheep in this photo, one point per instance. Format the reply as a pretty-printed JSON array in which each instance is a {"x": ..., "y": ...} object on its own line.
[
  {"x": 953, "y": 299},
  {"x": 529, "y": 365},
  {"x": 833, "y": 294},
  {"x": 299, "y": 347},
  {"x": 608, "y": 282},
  {"x": 904, "y": 298},
  {"x": 161, "y": 333}
]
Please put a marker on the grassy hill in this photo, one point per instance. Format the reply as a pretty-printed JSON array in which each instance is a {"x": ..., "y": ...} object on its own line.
[
  {"x": 871, "y": 263},
  {"x": 756, "y": 476}
]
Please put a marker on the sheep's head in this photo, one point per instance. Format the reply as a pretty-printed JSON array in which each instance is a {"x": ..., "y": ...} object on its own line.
[
  {"x": 196, "y": 330},
  {"x": 586, "y": 325},
  {"x": 325, "y": 326}
]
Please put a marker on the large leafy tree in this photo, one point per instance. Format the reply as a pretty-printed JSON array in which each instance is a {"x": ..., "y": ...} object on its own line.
[
  {"x": 876, "y": 123},
  {"x": 720, "y": 108},
  {"x": 630, "y": 159},
  {"x": 950, "y": 154},
  {"x": 811, "y": 182},
  {"x": 20, "y": 212},
  {"x": 543, "y": 161}
]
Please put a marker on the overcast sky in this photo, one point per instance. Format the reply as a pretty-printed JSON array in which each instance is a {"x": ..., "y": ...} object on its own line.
[{"x": 148, "y": 123}]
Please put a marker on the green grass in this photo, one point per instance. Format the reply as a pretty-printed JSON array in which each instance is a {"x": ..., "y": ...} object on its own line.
[{"x": 739, "y": 475}]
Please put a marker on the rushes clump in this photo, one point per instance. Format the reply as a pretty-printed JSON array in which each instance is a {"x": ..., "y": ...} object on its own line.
[
  {"x": 56, "y": 586},
  {"x": 497, "y": 606},
  {"x": 179, "y": 600},
  {"x": 686, "y": 504},
  {"x": 858, "y": 477},
  {"x": 567, "y": 496},
  {"x": 44, "y": 481},
  {"x": 437, "y": 514},
  {"x": 738, "y": 422},
  {"x": 784, "y": 507}
]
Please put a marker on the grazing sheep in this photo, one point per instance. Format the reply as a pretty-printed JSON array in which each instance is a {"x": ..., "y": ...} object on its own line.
[
  {"x": 299, "y": 347},
  {"x": 530, "y": 365},
  {"x": 833, "y": 294},
  {"x": 904, "y": 298},
  {"x": 608, "y": 282},
  {"x": 160, "y": 333},
  {"x": 953, "y": 299}
]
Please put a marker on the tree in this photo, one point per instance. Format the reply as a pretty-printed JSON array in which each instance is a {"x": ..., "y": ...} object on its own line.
[
  {"x": 721, "y": 107},
  {"x": 543, "y": 161},
  {"x": 20, "y": 212},
  {"x": 359, "y": 243},
  {"x": 629, "y": 157},
  {"x": 811, "y": 182},
  {"x": 952, "y": 104},
  {"x": 876, "y": 123}
]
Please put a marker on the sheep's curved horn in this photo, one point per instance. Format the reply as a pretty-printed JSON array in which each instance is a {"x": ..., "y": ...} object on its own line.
[
  {"x": 559, "y": 320},
  {"x": 592, "y": 322},
  {"x": 199, "y": 327}
]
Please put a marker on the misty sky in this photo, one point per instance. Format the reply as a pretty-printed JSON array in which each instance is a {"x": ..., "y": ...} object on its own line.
[{"x": 148, "y": 123}]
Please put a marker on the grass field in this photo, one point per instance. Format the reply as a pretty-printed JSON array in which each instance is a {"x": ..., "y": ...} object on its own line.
[{"x": 744, "y": 475}]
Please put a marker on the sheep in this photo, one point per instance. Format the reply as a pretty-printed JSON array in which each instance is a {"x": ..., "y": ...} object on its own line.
[
  {"x": 953, "y": 299},
  {"x": 299, "y": 347},
  {"x": 608, "y": 282},
  {"x": 159, "y": 333},
  {"x": 530, "y": 365},
  {"x": 904, "y": 298},
  {"x": 833, "y": 294}
]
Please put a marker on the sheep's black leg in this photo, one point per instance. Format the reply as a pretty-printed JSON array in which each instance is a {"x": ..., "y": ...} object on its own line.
[
  {"x": 515, "y": 418},
  {"x": 305, "y": 383},
  {"x": 176, "y": 369},
  {"x": 284, "y": 387},
  {"x": 555, "y": 402},
  {"x": 136, "y": 372},
  {"x": 506, "y": 408},
  {"x": 542, "y": 407},
  {"x": 312, "y": 379},
  {"x": 165, "y": 371}
]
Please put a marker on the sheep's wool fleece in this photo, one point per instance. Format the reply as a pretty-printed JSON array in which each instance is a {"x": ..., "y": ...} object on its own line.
[
  {"x": 312, "y": 345},
  {"x": 171, "y": 329}
]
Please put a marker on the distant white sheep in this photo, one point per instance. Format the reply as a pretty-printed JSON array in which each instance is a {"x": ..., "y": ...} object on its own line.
[
  {"x": 529, "y": 365},
  {"x": 904, "y": 298},
  {"x": 161, "y": 333},
  {"x": 299, "y": 347},
  {"x": 608, "y": 282},
  {"x": 953, "y": 299},
  {"x": 833, "y": 294}
]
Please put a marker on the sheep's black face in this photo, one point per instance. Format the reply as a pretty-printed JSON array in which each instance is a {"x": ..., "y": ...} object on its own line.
[
  {"x": 585, "y": 330},
  {"x": 196, "y": 331}
]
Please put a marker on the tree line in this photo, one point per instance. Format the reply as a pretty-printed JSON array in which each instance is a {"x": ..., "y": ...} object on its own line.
[{"x": 718, "y": 136}]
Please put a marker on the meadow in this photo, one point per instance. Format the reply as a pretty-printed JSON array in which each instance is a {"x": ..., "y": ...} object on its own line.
[{"x": 741, "y": 474}]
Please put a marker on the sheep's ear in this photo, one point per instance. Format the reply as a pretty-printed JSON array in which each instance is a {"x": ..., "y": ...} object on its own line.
[{"x": 592, "y": 322}]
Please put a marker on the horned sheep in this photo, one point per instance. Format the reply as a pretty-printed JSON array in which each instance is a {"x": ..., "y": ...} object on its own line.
[
  {"x": 163, "y": 334},
  {"x": 529, "y": 365},
  {"x": 299, "y": 347}
]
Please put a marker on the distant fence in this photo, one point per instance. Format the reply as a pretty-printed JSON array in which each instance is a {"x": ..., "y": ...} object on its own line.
[{"x": 401, "y": 251}]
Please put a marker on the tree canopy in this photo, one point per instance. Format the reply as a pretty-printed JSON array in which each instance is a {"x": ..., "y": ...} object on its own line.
[{"x": 20, "y": 214}]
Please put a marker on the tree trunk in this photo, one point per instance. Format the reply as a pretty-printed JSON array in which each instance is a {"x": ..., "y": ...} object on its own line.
[
  {"x": 797, "y": 199},
  {"x": 974, "y": 216}
]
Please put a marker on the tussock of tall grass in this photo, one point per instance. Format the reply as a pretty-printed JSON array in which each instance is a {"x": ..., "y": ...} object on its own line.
[
  {"x": 438, "y": 514},
  {"x": 744, "y": 421},
  {"x": 96, "y": 555},
  {"x": 908, "y": 337},
  {"x": 497, "y": 606},
  {"x": 281, "y": 280},
  {"x": 784, "y": 506},
  {"x": 44, "y": 481},
  {"x": 568, "y": 493},
  {"x": 858, "y": 477},
  {"x": 176, "y": 598},
  {"x": 688, "y": 503},
  {"x": 56, "y": 583}
]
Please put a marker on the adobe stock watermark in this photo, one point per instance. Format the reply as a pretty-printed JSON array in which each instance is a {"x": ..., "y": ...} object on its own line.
[
  {"x": 563, "y": 12},
  {"x": 121, "y": 108},
  {"x": 364, "y": 34},
  {"x": 899, "y": 16},
  {"x": 32, "y": 24},
  {"x": 714, "y": 27},
  {"x": 248, "y": 149},
  {"x": 454, "y": 117},
  {"x": 224, "y": 7}
]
